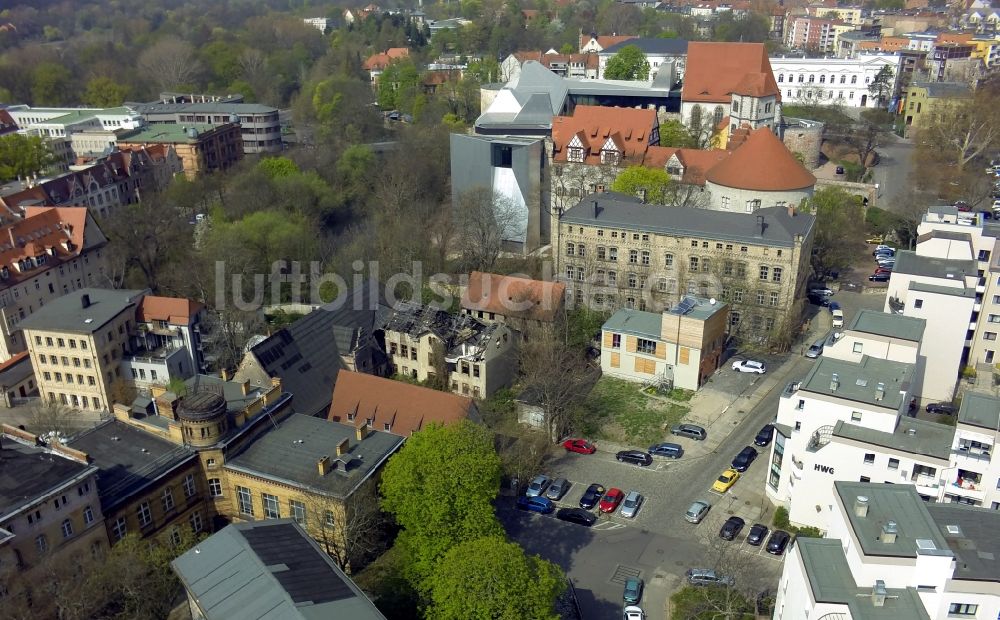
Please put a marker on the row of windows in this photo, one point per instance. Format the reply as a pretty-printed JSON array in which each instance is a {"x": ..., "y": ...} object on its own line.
[
  {"x": 822, "y": 78},
  {"x": 120, "y": 527},
  {"x": 669, "y": 285},
  {"x": 145, "y": 516},
  {"x": 76, "y": 401},
  {"x": 52, "y": 359},
  {"x": 68, "y": 378},
  {"x": 272, "y": 507},
  {"x": 819, "y": 94},
  {"x": 67, "y": 529},
  {"x": 140, "y": 373},
  {"x": 49, "y": 342}
]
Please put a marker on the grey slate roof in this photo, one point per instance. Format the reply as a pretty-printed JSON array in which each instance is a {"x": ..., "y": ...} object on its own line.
[
  {"x": 29, "y": 472},
  {"x": 269, "y": 569},
  {"x": 831, "y": 581},
  {"x": 651, "y": 46},
  {"x": 129, "y": 460},
  {"x": 636, "y": 322},
  {"x": 945, "y": 89},
  {"x": 277, "y": 456},
  {"x": 909, "y": 262},
  {"x": 616, "y": 210},
  {"x": 891, "y": 502},
  {"x": 858, "y": 381},
  {"x": 927, "y": 438},
  {"x": 975, "y": 544},
  {"x": 980, "y": 410},
  {"x": 889, "y": 325},
  {"x": 14, "y": 373},
  {"x": 306, "y": 354},
  {"x": 67, "y": 313}
]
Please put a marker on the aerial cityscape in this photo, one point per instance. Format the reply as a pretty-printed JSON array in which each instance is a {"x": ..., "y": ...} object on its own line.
[{"x": 499, "y": 310}]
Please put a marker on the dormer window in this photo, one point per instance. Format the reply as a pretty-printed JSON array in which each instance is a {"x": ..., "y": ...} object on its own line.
[
  {"x": 575, "y": 154},
  {"x": 611, "y": 156}
]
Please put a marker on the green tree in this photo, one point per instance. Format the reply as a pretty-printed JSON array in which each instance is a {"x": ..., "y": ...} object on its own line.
[
  {"x": 52, "y": 85},
  {"x": 103, "y": 92},
  {"x": 691, "y": 603},
  {"x": 655, "y": 182},
  {"x": 882, "y": 86},
  {"x": 398, "y": 86},
  {"x": 22, "y": 156},
  {"x": 840, "y": 228},
  {"x": 493, "y": 578},
  {"x": 440, "y": 488},
  {"x": 278, "y": 167},
  {"x": 628, "y": 64},
  {"x": 674, "y": 133}
]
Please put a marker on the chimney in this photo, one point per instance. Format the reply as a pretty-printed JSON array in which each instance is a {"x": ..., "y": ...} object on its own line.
[
  {"x": 861, "y": 506},
  {"x": 760, "y": 224},
  {"x": 878, "y": 594},
  {"x": 889, "y": 531},
  {"x": 642, "y": 195},
  {"x": 361, "y": 431},
  {"x": 791, "y": 210},
  {"x": 85, "y": 300},
  {"x": 342, "y": 447},
  {"x": 597, "y": 211},
  {"x": 245, "y": 387},
  {"x": 879, "y": 391},
  {"x": 323, "y": 465},
  {"x": 834, "y": 382}
]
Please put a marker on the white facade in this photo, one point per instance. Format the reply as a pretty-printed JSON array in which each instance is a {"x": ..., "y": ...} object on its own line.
[
  {"x": 61, "y": 122},
  {"x": 976, "y": 475},
  {"x": 740, "y": 200},
  {"x": 319, "y": 23},
  {"x": 843, "y": 81}
]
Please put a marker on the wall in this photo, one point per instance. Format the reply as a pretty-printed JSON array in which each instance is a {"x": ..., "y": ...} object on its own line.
[
  {"x": 803, "y": 137},
  {"x": 738, "y": 198},
  {"x": 945, "y": 316},
  {"x": 164, "y": 519}
]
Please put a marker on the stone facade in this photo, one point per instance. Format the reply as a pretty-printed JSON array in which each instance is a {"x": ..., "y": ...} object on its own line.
[{"x": 804, "y": 137}]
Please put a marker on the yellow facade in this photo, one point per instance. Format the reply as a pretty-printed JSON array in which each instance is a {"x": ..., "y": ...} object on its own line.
[{"x": 175, "y": 502}]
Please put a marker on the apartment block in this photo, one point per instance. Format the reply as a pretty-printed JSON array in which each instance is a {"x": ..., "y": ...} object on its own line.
[
  {"x": 888, "y": 554},
  {"x": 842, "y": 81},
  {"x": 201, "y": 148},
  {"x": 678, "y": 348},
  {"x": 477, "y": 358},
  {"x": 49, "y": 506},
  {"x": 260, "y": 125},
  {"x": 47, "y": 254},
  {"x": 811, "y": 33},
  {"x": 976, "y": 477},
  {"x": 77, "y": 343},
  {"x": 167, "y": 342},
  {"x": 616, "y": 252}
]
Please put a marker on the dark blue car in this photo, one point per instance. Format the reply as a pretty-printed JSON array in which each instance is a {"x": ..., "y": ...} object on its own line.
[{"x": 536, "y": 504}]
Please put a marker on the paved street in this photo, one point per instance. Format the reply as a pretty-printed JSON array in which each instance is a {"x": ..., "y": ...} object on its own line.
[
  {"x": 659, "y": 545},
  {"x": 893, "y": 171}
]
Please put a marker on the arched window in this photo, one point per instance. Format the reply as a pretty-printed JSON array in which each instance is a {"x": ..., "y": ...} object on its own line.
[
  {"x": 717, "y": 116},
  {"x": 781, "y": 77}
]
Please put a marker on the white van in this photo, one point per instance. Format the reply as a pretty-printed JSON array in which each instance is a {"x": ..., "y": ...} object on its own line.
[{"x": 838, "y": 318}]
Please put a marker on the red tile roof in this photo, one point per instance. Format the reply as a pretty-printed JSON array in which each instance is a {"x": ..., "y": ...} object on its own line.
[
  {"x": 406, "y": 408},
  {"x": 173, "y": 310},
  {"x": 761, "y": 163},
  {"x": 628, "y": 128},
  {"x": 715, "y": 70},
  {"x": 490, "y": 292},
  {"x": 14, "y": 361},
  {"x": 57, "y": 233},
  {"x": 382, "y": 59},
  {"x": 590, "y": 61}
]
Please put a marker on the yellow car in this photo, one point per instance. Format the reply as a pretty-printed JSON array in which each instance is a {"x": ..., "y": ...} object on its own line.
[{"x": 726, "y": 480}]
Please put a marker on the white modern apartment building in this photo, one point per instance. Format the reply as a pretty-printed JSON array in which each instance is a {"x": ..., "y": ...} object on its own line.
[
  {"x": 63, "y": 122},
  {"x": 975, "y": 475},
  {"x": 944, "y": 279},
  {"x": 842, "y": 81},
  {"x": 889, "y": 555}
]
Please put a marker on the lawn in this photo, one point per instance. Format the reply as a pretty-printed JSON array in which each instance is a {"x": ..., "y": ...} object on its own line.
[{"x": 617, "y": 410}]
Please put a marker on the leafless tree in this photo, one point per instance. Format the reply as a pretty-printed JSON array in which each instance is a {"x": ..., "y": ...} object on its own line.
[
  {"x": 171, "y": 62},
  {"x": 485, "y": 221},
  {"x": 45, "y": 417},
  {"x": 735, "y": 600},
  {"x": 355, "y": 536},
  {"x": 226, "y": 332},
  {"x": 555, "y": 375},
  {"x": 963, "y": 130},
  {"x": 253, "y": 68}
]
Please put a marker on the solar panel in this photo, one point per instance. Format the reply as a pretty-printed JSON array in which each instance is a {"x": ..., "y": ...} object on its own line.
[{"x": 685, "y": 305}]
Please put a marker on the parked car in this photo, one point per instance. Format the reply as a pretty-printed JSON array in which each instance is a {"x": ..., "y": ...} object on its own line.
[
  {"x": 764, "y": 435},
  {"x": 691, "y": 431},
  {"x": 697, "y": 511},
  {"x": 667, "y": 450},
  {"x": 633, "y": 590},
  {"x": 635, "y": 457},
  {"x": 884, "y": 270},
  {"x": 942, "y": 408},
  {"x": 884, "y": 252},
  {"x": 707, "y": 577},
  {"x": 875, "y": 239},
  {"x": 882, "y": 248},
  {"x": 538, "y": 485},
  {"x": 576, "y": 515},
  {"x": 633, "y": 612},
  {"x": 962, "y": 206},
  {"x": 778, "y": 541},
  {"x": 820, "y": 289},
  {"x": 833, "y": 306},
  {"x": 757, "y": 534},
  {"x": 818, "y": 300},
  {"x": 744, "y": 459},
  {"x": 889, "y": 264},
  {"x": 631, "y": 503},
  {"x": 726, "y": 480},
  {"x": 591, "y": 496},
  {"x": 879, "y": 277},
  {"x": 731, "y": 528},
  {"x": 580, "y": 446},
  {"x": 750, "y": 366},
  {"x": 609, "y": 503},
  {"x": 536, "y": 504},
  {"x": 557, "y": 489},
  {"x": 838, "y": 318},
  {"x": 815, "y": 349}
]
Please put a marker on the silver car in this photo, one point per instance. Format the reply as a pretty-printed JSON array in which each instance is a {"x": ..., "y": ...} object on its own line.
[
  {"x": 557, "y": 489},
  {"x": 537, "y": 486},
  {"x": 631, "y": 504},
  {"x": 697, "y": 511}
]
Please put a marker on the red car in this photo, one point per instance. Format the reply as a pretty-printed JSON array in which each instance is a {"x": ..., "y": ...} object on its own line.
[
  {"x": 581, "y": 446},
  {"x": 611, "y": 499}
]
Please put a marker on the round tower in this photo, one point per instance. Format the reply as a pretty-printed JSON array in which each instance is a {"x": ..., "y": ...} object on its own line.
[{"x": 203, "y": 418}]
